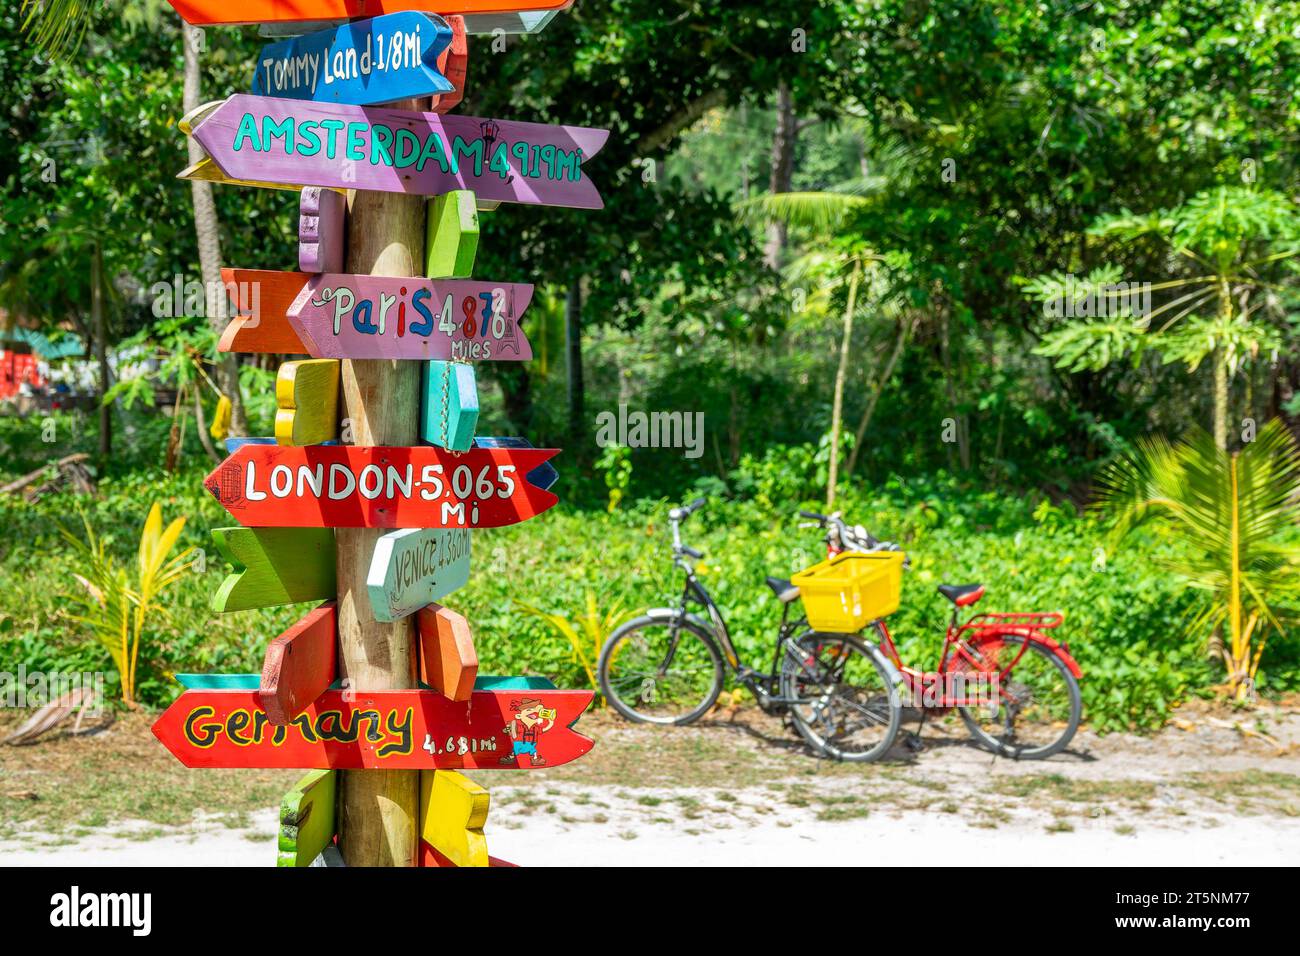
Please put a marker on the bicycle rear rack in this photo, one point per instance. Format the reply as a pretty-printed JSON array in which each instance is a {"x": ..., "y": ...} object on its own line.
[{"x": 1027, "y": 619}]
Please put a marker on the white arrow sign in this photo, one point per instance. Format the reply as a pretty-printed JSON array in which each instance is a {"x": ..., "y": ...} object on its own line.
[{"x": 415, "y": 567}]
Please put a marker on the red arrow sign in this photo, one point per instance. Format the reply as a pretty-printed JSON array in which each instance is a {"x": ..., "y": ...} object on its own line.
[
  {"x": 388, "y": 730},
  {"x": 336, "y": 486},
  {"x": 208, "y": 12}
]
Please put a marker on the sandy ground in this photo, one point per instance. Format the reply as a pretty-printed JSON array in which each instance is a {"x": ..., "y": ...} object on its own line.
[
  {"x": 740, "y": 790},
  {"x": 909, "y": 838}
]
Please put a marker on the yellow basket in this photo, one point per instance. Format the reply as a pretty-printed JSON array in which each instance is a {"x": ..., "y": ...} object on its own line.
[{"x": 845, "y": 593}]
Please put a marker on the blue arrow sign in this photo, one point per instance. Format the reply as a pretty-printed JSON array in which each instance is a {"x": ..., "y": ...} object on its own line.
[
  {"x": 543, "y": 476},
  {"x": 393, "y": 57}
]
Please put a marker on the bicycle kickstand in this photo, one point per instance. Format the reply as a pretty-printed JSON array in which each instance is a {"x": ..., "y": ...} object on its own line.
[{"x": 914, "y": 742}]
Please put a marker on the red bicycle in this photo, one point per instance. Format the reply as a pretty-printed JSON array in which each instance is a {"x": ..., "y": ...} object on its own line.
[{"x": 1015, "y": 686}]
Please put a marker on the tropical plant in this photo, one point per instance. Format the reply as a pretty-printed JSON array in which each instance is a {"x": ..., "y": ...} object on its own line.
[
  {"x": 115, "y": 607},
  {"x": 1231, "y": 512},
  {"x": 595, "y": 628},
  {"x": 615, "y": 463},
  {"x": 847, "y": 259},
  {"x": 1229, "y": 234}
]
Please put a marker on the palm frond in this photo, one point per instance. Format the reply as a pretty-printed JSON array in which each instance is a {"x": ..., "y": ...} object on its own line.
[{"x": 819, "y": 212}]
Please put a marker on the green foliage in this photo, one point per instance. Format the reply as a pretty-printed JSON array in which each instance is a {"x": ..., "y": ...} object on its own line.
[
  {"x": 116, "y": 604},
  {"x": 1126, "y": 614},
  {"x": 1235, "y": 515},
  {"x": 615, "y": 463}
]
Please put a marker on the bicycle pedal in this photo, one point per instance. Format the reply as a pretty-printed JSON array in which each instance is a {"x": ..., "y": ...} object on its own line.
[{"x": 914, "y": 744}]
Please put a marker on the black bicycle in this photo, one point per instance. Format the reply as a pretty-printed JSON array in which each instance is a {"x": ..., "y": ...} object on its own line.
[{"x": 667, "y": 667}]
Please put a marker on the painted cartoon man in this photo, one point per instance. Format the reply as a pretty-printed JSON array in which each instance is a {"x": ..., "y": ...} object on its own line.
[{"x": 533, "y": 721}]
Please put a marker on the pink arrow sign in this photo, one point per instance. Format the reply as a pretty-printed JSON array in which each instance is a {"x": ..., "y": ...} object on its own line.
[
  {"x": 293, "y": 142},
  {"x": 378, "y": 317}
]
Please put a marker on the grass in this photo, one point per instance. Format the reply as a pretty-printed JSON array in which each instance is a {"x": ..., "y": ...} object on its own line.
[{"x": 69, "y": 788}]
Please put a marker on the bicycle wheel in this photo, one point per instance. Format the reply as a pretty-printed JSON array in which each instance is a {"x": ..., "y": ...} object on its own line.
[
  {"x": 660, "y": 670},
  {"x": 1037, "y": 707},
  {"x": 842, "y": 699}
]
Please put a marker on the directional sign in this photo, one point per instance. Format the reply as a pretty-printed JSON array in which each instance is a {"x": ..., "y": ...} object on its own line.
[
  {"x": 206, "y": 171},
  {"x": 337, "y": 486},
  {"x": 307, "y": 825},
  {"x": 262, "y": 298},
  {"x": 300, "y": 665},
  {"x": 322, "y": 224},
  {"x": 387, "y": 58},
  {"x": 544, "y": 476},
  {"x": 448, "y": 659},
  {"x": 275, "y": 566},
  {"x": 415, "y": 567},
  {"x": 448, "y": 404},
  {"x": 263, "y": 139},
  {"x": 484, "y": 16},
  {"x": 307, "y": 399},
  {"x": 451, "y": 239},
  {"x": 389, "y": 730},
  {"x": 381, "y": 317},
  {"x": 454, "y": 63},
  {"x": 453, "y": 811}
]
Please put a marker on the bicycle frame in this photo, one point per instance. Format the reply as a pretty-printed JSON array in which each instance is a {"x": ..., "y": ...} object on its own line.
[
  {"x": 693, "y": 592},
  {"x": 960, "y": 644}
]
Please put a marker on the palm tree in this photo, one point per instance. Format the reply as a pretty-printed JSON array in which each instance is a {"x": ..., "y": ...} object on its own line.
[
  {"x": 846, "y": 257},
  {"x": 1233, "y": 513}
]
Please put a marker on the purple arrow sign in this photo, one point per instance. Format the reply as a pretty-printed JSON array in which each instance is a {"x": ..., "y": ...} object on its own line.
[
  {"x": 381, "y": 317},
  {"x": 267, "y": 140}
]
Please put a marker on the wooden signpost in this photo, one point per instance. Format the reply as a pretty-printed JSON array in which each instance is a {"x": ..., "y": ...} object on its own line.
[
  {"x": 387, "y": 58},
  {"x": 448, "y": 660},
  {"x": 300, "y": 665},
  {"x": 544, "y": 476},
  {"x": 307, "y": 396},
  {"x": 256, "y": 139},
  {"x": 481, "y": 16},
  {"x": 448, "y": 405},
  {"x": 262, "y": 298},
  {"x": 274, "y": 566},
  {"x": 453, "y": 64},
  {"x": 394, "y": 729},
  {"x": 307, "y": 819},
  {"x": 382, "y": 317},
  {"x": 452, "y": 240},
  {"x": 336, "y": 486},
  {"x": 322, "y": 215},
  {"x": 416, "y": 567},
  {"x": 453, "y": 811},
  {"x": 338, "y": 690}
]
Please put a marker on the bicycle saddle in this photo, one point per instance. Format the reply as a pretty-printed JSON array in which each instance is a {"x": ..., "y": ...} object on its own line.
[
  {"x": 785, "y": 591},
  {"x": 962, "y": 594}
]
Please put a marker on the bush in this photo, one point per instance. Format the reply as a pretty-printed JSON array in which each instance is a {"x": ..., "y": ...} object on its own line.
[{"x": 1124, "y": 624}]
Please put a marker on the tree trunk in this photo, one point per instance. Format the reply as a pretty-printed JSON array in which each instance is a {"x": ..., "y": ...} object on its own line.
[
  {"x": 878, "y": 386},
  {"x": 573, "y": 361},
  {"x": 782, "y": 172},
  {"x": 100, "y": 325},
  {"x": 378, "y": 809},
  {"x": 201, "y": 422},
  {"x": 516, "y": 394},
  {"x": 837, "y": 406},
  {"x": 1221, "y": 372},
  {"x": 209, "y": 239}
]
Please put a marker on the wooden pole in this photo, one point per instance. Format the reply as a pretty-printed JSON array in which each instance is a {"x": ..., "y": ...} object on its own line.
[{"x": 378, "y": 809}]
